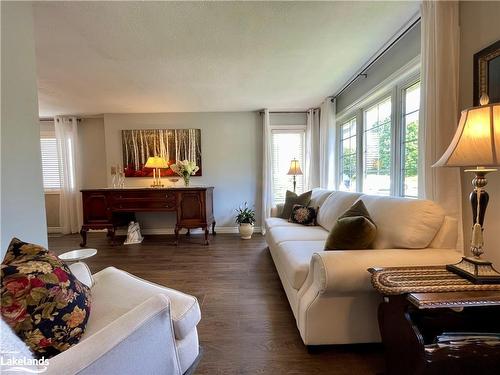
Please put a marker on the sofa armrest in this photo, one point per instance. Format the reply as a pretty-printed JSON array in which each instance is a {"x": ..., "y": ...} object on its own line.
[
  {"x": 345, "y": 271},
  {"x": 277, "y": 210},
  {"x": 140, "y": 341}
]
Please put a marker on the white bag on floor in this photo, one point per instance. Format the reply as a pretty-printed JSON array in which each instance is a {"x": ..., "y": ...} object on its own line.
[{"x": 133, "y": 234}]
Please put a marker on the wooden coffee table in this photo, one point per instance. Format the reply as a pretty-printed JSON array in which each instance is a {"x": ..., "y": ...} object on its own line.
[{"x": 421, "y": 303}]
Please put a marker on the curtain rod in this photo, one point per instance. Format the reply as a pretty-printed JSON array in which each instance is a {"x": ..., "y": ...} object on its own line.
[
  {"x": 387, "y": 48},
  {"x": 51, "y": 119},
  {"x": 274, "y": 112}
]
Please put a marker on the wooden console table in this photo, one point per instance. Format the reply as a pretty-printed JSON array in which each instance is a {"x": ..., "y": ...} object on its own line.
[
  {"x": 419, "y": 305},
  {"x": 109, "y": 208}
]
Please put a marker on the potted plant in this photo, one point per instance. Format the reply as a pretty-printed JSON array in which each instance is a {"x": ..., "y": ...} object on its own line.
[{"x": 246, "y": 219}]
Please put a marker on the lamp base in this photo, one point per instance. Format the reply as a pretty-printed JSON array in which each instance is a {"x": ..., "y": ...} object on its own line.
[{"x": 476, "y": 270}]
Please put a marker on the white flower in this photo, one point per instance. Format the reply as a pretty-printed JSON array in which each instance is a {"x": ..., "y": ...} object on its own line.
[{"x": 185, "y": 167}]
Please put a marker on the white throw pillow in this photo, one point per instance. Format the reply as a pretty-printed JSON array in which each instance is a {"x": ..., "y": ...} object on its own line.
[
  {"x": 335, "y": 205},
  {"x": 403, "y": 223}
]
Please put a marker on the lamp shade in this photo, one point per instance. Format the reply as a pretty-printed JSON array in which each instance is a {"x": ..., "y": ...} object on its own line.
[
  {"x": 295, "y": 168},
  {"x": 156, "y": 162},
  {"x": 477, "y": 139}
]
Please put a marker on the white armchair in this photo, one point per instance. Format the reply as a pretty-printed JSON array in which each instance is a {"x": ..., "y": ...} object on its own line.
[{"x": 134, "y": 327}]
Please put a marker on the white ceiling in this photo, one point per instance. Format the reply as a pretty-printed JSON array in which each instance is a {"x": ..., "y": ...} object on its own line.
[{"x": 110, "y": 57}]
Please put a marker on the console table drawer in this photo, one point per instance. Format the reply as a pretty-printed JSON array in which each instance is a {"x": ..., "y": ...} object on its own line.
[
  {"x": 141, "y": 195},
  {"x": 143, "y": 204}
]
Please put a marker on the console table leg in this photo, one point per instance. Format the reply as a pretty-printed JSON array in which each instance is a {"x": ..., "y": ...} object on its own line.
[
  {"x": 83, "y": 233},
  {"x": 188, "y": 233},
  {"x": 206, "y": 235},
  {"x": 176, "y": 231},
  {"x": 213, "y": 228},
  {"x": 111, "y": 235}
]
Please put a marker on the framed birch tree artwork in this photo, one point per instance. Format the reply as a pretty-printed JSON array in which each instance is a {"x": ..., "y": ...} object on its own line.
[{"x": 170, "y": 144}]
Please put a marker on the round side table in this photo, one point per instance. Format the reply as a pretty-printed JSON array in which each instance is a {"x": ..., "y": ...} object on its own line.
[{"x": 77, "y": 255}]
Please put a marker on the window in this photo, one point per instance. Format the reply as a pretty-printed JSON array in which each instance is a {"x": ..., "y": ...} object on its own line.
[
  {"x": 377, "y": 149},
  {"x": 348, "y": 156},
  {"x": 286, "y": 145},
  {"x": 378, "y": 141},
  {"x": 409, "y": 148},
  {"x": 50, "y": 164}
]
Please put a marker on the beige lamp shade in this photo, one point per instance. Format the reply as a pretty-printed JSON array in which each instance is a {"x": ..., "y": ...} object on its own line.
[
  {"x": 295, "y": 168},
  {"x": 477, "y": 140},
  {"x": 156, "y": 162}
]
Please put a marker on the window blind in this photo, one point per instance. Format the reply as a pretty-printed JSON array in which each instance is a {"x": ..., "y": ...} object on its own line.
[{"x": 50, "y": 164}]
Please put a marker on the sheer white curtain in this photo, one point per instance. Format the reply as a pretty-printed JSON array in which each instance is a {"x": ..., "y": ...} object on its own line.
[
  {"x": 327, "y": 137},
  {"x": 70, "y": 206},
  {"x": 439, "y": 97},
  {"x": 267, "y": 170},
  {"x": 312, "y": 150}
]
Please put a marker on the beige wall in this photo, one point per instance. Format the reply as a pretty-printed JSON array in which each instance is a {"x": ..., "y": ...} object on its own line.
[
  {"x": 479, "y": 27},
  {"x": 92, "y": 152},
  {"x": 52, "y": 211},
  {"x": 22, "y": 208}
]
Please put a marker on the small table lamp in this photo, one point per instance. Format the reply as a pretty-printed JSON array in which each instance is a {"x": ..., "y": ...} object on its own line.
[
  {"x": 294, "y": 171},
  {"x": 156, "y": 163},
  {"x": 476, "y": 144}
]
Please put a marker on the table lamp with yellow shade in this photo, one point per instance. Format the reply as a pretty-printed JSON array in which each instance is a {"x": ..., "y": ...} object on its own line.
[
  {"x": 294, "y": 171},
  {"x": 476, "y": 145},
  {"x": 156, "y": 163}
]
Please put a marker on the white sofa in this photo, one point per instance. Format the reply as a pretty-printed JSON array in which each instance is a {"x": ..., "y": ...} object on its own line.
[
  {"x": 330, "y": 291},
  {"x": 135, "y": 327}
]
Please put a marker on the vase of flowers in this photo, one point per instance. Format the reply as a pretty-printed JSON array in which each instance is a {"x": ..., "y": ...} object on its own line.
[
  {"x": 185, "y": 169},
  {"x": 245, "y": 217}
]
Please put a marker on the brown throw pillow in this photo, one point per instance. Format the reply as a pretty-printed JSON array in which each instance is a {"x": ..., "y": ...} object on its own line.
[
  {"x": 291, "y": 199},
  {"x": 42, "y": 300},
  {"x": 353, "y": 230}
]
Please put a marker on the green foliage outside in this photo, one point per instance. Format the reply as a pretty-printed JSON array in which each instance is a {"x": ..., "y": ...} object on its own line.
[{"x": 383, "y": 165}]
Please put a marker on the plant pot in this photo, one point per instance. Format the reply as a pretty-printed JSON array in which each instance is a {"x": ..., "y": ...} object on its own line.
[{"x": 246, "y": 231}]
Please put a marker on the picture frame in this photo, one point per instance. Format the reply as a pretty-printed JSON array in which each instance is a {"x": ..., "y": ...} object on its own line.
[
  {"x": 487, "y": 73},
  {"x": 171, "y": 144}
]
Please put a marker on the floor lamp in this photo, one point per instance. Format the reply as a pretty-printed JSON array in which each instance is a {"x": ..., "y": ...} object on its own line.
[{"x": 476, "y": 144}]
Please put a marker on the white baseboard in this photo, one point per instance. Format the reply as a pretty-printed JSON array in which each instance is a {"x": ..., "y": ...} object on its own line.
[
  {"x": 222, "y": 230},
  {"x": 54, "y": 230}
]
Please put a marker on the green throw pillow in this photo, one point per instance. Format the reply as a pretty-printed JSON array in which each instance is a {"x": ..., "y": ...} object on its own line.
[
  {"x": 291, "y": 199},
  {"x": 353, "y": 230}
]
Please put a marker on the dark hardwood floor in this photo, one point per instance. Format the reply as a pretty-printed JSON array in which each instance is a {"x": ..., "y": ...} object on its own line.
[{"x": 247, "y": 325}]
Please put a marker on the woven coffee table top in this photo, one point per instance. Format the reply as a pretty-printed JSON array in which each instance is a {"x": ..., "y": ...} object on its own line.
[{"x": 423, "y": 279}]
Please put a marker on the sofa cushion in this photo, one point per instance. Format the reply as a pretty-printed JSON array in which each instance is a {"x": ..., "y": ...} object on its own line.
[
  {"x": 295, "y": 257},
  {"x": 116, "y": 292},
  {"x": 43, "y": 302},
  {"x": 334, "y": 206},
  {"x": 318, "y": 196},
  {"x": 272, "y": 222},
  {"x": 403, "y": 223},
  {"x": 354, "y": 230},
  {"x": 277, "y": 235},
  {"x": 291, "y": 199}
]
